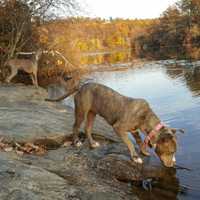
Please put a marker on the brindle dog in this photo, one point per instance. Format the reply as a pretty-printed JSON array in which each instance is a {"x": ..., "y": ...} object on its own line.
[{"x": 125, "y": 115}]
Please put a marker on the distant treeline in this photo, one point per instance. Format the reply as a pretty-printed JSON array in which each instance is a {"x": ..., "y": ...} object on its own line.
[
  {"x": 77, "y": 36},
  {"x": 175, "y": 35}
]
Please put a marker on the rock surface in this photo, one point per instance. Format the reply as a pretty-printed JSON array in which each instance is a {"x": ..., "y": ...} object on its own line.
[{"x": 66, "y": 172}]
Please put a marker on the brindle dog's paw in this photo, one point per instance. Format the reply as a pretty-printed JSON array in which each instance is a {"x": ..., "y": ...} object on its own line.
[
  {"x": 137, "y": 160},
  {"x": 95, "y": 145}
]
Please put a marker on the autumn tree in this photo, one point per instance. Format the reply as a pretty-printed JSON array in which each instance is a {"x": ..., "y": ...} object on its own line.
[
  {"x": 176, "y": 35},
  {"x": 191, "y": 13},
  {"x": 18, "y": 18}
]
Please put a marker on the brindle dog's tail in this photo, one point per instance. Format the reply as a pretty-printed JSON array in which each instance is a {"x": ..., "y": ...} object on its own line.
[{"x": 64, "y": 96}]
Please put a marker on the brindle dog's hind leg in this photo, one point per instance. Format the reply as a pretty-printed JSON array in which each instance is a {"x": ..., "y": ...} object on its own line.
[
  {"x": 88, "y": 129},
  {"x": 139, "y": 142},
  {"x": 124, "y": 135}
]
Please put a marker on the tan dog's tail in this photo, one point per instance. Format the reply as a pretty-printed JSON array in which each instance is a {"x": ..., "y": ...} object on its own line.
[{"x": 63, "y": 97}]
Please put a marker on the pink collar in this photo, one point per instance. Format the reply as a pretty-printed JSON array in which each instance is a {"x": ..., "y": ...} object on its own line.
[{"x": 153, "y": 133}]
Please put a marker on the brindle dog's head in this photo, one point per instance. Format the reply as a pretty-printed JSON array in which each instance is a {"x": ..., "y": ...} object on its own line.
[{"x": 166, "y": 146}]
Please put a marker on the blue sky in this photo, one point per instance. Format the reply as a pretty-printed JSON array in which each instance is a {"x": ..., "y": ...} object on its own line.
[{"x": 126, "y": 8}]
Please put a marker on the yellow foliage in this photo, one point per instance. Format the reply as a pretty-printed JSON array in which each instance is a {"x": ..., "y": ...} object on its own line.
[
  {"x": 195, "y": 31},
  {"x": 89, "y": 35},
  {"x": 43, "y": 39},
  {"x": 59, "y": 62},
  {"x": 81, "y": 45},
  {"x": 195, "y": 53}
]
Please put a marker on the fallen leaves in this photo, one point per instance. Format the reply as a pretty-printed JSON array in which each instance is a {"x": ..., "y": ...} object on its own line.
[
  {"x": 21, "y": 149},
  {"x": 31, "y": 148},
  {"x": 8, "y": 149},
  {"x": 38, "y": 147},
  {"x": 5, "y": 146}
]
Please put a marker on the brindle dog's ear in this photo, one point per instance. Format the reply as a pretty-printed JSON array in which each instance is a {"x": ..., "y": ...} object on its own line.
[{"x": 174, "y": 130}]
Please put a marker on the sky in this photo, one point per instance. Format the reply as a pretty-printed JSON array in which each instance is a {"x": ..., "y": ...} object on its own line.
[{"x": 132, "y": 9}]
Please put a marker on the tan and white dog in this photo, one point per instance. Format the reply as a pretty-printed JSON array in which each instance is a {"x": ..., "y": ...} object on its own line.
[{"x": 28, "y": 65}]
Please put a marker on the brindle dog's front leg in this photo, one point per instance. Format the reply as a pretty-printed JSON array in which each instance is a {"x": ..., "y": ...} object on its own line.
[
  {"x": 139, "y": 142},
  {"x": 124, "y": 135}
]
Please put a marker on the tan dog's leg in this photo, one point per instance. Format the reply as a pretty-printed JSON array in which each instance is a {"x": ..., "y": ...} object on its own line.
[
  {"x": 88, "y": 130},
  {"x": 36, "y": 79},
  {"x": 124, "y": 135},
  {"x": 32, "y": 78},
  {"x": 13, "y": 73},
  {"x": 138, "y": 140}
]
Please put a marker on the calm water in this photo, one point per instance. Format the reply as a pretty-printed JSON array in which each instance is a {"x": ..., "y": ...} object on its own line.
[{"x": 174, "y": 94}]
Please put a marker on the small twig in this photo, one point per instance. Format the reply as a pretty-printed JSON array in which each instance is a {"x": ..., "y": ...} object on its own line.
[
  {"x": 188, "y": 187},
  {"x": 17, "y": 145},
  {"x": 181, "y": 130},
  {"x": 182, "y": 168},
  {"x": 185, "y": 187},
  {"x": 25, "y": 53}
]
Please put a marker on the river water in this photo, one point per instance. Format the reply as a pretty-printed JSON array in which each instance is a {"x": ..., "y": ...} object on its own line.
[{"x": 173, "y": 91}]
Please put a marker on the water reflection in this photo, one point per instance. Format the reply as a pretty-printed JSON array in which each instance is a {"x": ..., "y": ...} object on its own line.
[
  {"x": 106, "y": 57},
  {"x": 190, "y": 74},
  {"x": 163, "y": 188}
]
